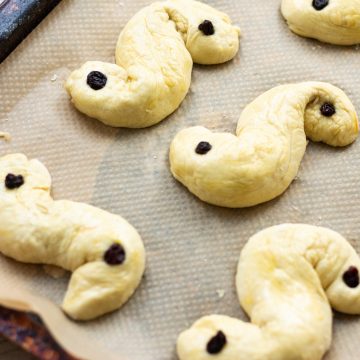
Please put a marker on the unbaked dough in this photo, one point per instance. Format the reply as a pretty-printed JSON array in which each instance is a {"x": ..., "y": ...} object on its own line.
[
  {"x": 5, "y": 135},
  {"x": 288, "y": 278},
  {"x": 154, "y": 59},
  {"x": 263, "y": 159},
  {"x": 104, "y": 252},
  {"x": 332, "y": 21}
]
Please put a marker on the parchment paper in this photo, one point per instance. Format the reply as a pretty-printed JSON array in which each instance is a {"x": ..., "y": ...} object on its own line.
[{"x": 192, "y": 247}]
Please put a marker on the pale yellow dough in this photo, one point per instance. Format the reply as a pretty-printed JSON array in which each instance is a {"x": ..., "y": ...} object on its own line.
[
  {"x": 338, "y": 23},
  {"x": 74, "y": 236},
  {"x": 288, "y": 278},
  {"x": 154, "y": 59},
  {"x": 263, "y": 159}
]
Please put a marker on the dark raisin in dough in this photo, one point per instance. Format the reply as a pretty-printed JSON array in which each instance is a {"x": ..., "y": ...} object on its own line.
[
  {"x": 203, "y": 148},
  {"x": 115, "y": 255},
  {"x": 351, "y": 277},
  {"x": 216, "y": 343},
  {"x": 96, "y": 80},
  {"x": 328, "y": 109},
  {"x": 320, "y": 4},
  {"x": 13, "y": 181},
  {"x": 207, "y": 28}
]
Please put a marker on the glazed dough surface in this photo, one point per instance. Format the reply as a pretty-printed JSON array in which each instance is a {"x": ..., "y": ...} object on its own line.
[
  {"x": 154, "y": 59},
  {"x": 74, "y": 236},
  {"x": 288, "y": 278},
  {"x": 260, "y": 162},
  {"x": 337, "y": 23}
]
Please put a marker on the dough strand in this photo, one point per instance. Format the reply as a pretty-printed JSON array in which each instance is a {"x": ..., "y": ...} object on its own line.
[
  {"x": 104, "y": 252},
  {"x": 263, "y": 159},
  {"x": 154, "y": 59},
  {"x": 289, "y": 276},
  {"x": 331, "y": 21}
]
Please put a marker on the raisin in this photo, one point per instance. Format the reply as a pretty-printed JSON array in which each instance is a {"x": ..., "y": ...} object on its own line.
[
  {"x": 320, "y": 4},
  {"x": 115, "y": 255},
  {"x": 328, "y": 109},
  {"x": 351, "y": 277},
  {"x": 203, "y": 148},
  {"x": 207, "y": 28},
  {"x": 216, "y": 343},
  {"x": 13, "y": 181},
  {"x": 96, "y": 80}
]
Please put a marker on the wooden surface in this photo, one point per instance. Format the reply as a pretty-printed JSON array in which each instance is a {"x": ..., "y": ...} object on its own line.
[{"x": 9, "y": 351}]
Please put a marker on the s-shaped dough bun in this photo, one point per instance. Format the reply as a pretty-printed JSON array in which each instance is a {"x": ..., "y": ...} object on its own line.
[
  {"x": 288, "y": 278},
  {"x": 154, "y": 59},
  {"x": 104, "y": 252},
  {"x": 332, "y": 21},
  {"x": 260, "y": 162}
]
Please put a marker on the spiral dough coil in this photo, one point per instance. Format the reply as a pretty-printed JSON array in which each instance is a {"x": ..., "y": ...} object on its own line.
[
  {"x": 104, "y": 252},
  {"x": 263, "y": 159},
  {"x": 331, "y": 21},
  {"x": 154, "y": 59},
  {"x": 289, "y": 276}
]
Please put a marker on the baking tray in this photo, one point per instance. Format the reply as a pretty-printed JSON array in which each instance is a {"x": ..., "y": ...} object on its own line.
[
  {"x": 192, "y": 247},
  {"x": 18, "y": 18}
]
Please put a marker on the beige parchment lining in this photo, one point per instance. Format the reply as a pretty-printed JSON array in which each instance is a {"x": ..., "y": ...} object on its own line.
[
  {"x": 63, "y": 330},
  {"x": 192, "y": 248}
]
